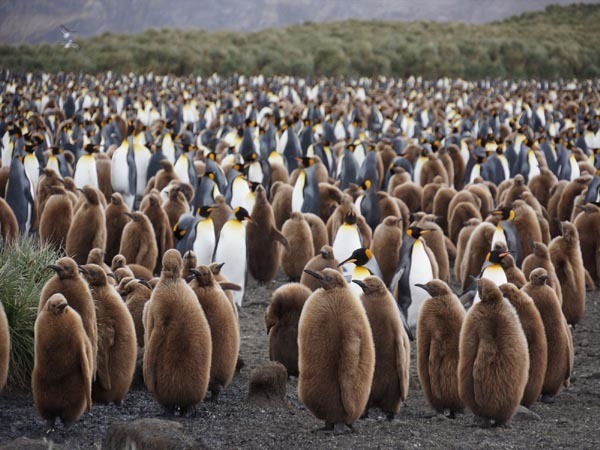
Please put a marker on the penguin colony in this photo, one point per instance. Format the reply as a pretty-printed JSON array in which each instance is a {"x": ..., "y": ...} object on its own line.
[{"x": 379, "y": 196}]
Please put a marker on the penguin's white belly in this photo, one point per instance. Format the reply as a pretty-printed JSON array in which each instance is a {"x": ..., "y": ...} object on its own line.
[
  {"x": 32, "y": 169},
  {"x": 475, "y": 172},
  {"x": 575, "y": 172},
  {"x": 505, "y": 167},
  {"x": 239, "y": 193},
  {"x": 86, "y": 173},
  {"x": 494, "y": 273},
  {"x": 298, "y": 193},
  {"x": 181, "y": 169},
  {"x": 418, "y": 168},
  {"x": 142, "y": 161},
  {"x": 499, "y": 236},
  {"x": 204, "y": 244},
  {"x": 119, "y": 171},
  {"x": 231, "y": 250},
  {"x": 534, "y": 166},
  {"x": 421, "y": 272},
  {"x": 53, "y": 165},
  {"x": 358, "y": 204},
  {"x": 347, "y": 239},
  {"x": 255, "y": 173}
]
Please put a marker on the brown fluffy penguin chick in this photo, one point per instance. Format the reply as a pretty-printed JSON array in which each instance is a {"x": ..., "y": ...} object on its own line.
[
  {"x": 9, "y": 227},
  {"x": 533, "y": 327},
  {"x": 478, "y": 246},
  {"x": 62, "y": 373},
  {"x": 189, "y": 262},
  {"x": 281, "y": 319},
  {"x": 558, "y": 335},
  {"x": 436, "y": 243},
  {"x": 163, "y": 233},
  {"x": 220, "y": 214},
  {"x": 461, "y": 244},
  {"x": 225, "y": 284},
  {"x": 463, "y": 212},
  {"x": 88, "y": 228},
  {"x": 138, "y": 245},
  {"x": 300, "y": 247},
  {"x": 541, "y": 258},
  {"x": 322, "y": 260},
  {"x": 48, "y": 180},
  {"x": 136, "y": 293},
  {"x": 318, "y": 231},
  {"x": 336, "y": 354},
  {"x": 117, "y": 345},
  {"x": 4, "y": 347},
  {"x": 56, "y": 218},
  {"x": 387, "y": 241},
  {"x": 565, "y": 254},
  {"x": 281, "y": 201},
  {"x": 96, "y": 256},
  {"x": 178, "y": 347},
  {"x": 493, "y": 364},
  {"x": 225, "y": 335},
  {"x": 73, "y": 287},
  {"x": 136, "y": 270},
  {"x": 438, "y": 334},
  {"x": 513, "y": 273},
  {"x": 392, "y": 348},
  {"x": 588, "y": 227},
  {"x": 263, "y": 239},
  {"x": 176, "y": 206},
  {"x": 116, "y": 219},
  {"x": 165, "y": 175}
]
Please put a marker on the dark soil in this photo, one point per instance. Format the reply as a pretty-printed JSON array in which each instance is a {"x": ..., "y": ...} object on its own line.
[{"x": 572, "y": 421}]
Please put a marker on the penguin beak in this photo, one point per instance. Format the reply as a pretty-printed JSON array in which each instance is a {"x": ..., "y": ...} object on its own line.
[
  {"x": 503, "y": 254},
  {"x": 312, "y": 273},
  {"x": 423, "y": 286},
  {"x": 496, "y": 212},
  {"x": 54, "y": 267},
  {"x": 83, "y": 270},
  {"x": 111, "y": 275},
  {"x": 128, "y": 214},
  {"x": 195, "y": 272},
  {"x": 347, "y": 260},
  {"x": 61, "y": 308},
  {"x": 582, "y": 207},
  {"x": 544, "y": 277},
  {"x": 362, "y": 285},
  {"x": 145, "y": 283}
]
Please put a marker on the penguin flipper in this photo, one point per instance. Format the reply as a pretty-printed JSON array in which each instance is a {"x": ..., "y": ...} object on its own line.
[
  {"x": 276, "y": 235},
  {"x": 106, "y": 339},
  {"x": 229, "y": 286},
  {"x": 349, "y": 359}
]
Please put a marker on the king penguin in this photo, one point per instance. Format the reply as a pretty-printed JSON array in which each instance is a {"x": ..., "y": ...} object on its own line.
[
  {"x": 204, "y": 239},
  {"x": 123, "y": 173},
  {"x": 231, "y": 250},
  {"x": 414, "y": 268},
  {"x": 491, "y": 270},
  {"x": 347, "y": 239},
  {"x": 365, "y": 265},
  {"x": 31, "y": 165},
  {"x": 19, "y": 195},
  {"x": 506, "y": 231},
  {"x": 85, "y": 170},
  {"x": 305, "y": 197}
]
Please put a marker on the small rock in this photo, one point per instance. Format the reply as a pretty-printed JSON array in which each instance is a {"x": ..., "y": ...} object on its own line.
[
  {"x": 584, "y": 343},
  {"x": 268, "y": 385},
  {"x": 525, "y": 414},
  {"x": 24, "y": 443},
  {"x": 149, "y": 434}
]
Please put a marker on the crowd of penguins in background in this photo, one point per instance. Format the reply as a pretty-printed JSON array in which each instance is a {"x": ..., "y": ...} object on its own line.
[{"x": 164, "y": 193}]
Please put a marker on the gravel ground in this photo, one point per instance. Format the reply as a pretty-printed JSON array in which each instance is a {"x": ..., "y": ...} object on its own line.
[{"x": 570, "y": 422}]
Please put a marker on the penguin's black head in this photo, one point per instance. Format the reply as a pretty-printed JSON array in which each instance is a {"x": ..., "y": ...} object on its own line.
[
  {"x": 366, "y": 185},
  {"x": 350, "y": 218},
  {"x": 179, "y": 232},
  {"x": 212, "y": 156},
  {"x": 91, "y": 148},
  {"x": 241, "y": 214},
  {"x": 496, "y": 256},
  {"x": 204, "y": 211},
  {"x": 416, "y": 232},
  {"x": 505, "y": 212},
  {"x": 360, "y": 257}
]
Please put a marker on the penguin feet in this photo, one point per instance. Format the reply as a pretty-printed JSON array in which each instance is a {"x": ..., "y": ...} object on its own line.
[
  {"x": 50, "y": 424},
  {"x": 189, "y": 412},
  {"x": 390, "y": 416},
  {"x": 449, "y": 414},
  {"x": 547, "y": 398},
  {"x": 482, "y": 422},
  {"x": 328, "y": 427},
  {"x": 214, "y": 395}
]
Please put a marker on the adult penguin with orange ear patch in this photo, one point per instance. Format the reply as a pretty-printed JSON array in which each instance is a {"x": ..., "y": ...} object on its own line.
[
  {"x": 336, "y": 354},
  {"x": 392, "y": 348},
  {"x": 533, "y": 327},
  {"x": 117, "y": 349},
  {"x": 367, "y": 204},
  {"x": 264, "y": 240},
  {"x": 493, "y": 364},
  {"x": 305, "y": 196},
  {"x": 138, "y": 244},
  {"x": 438, "y": 334},
  {"x": 88, "y": 228},
  {"x": 415, "y": 267}
]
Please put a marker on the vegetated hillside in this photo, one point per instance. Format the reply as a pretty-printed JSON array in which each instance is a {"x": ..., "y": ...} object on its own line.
[
  {"x": 33, "y": 21},
  {"x": 558, "y": 42}
]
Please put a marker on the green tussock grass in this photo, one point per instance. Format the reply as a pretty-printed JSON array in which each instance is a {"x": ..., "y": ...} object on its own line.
[
  {"x": 23, "y": 273},
  {"x": 561, "y": 41}
]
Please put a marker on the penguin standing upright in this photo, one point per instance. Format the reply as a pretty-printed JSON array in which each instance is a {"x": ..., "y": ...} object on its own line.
[
  {"x": 20, "y": 195},
  {"x": 123, "y": 173},
  {"x": 305, "y": 197},
  {"x": 204, "y": 239},
  {"x": 506, "y": 231},
  {"x": 365, "y": 265},
  {"x": 415, "y": 268},
  {"x": 346, "y": 240},
  {"x": 231, "y": 250},
  {"x": 368, "y": 206},
  {"x": 31, "y": 165},
  {"x": 85, "y": 170}
]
